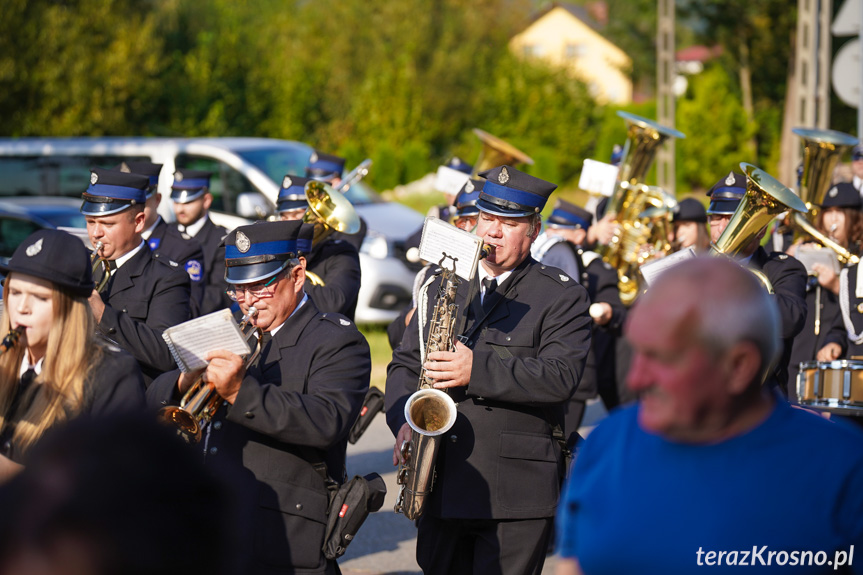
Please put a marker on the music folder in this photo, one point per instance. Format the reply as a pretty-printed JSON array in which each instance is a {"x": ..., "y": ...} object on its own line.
[{"x": 190, "y": 341}]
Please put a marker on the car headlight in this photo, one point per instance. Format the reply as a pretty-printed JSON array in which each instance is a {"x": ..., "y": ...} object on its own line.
[{"x": 375, "y": 245}]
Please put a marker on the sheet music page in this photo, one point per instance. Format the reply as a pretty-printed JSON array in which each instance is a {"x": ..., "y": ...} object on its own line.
[
  {"x": 441, "y": 238},
  {"x": 651, "y": 271},
  {"x": 598, "y": 178},
  {"x": 190, "y": 341}
]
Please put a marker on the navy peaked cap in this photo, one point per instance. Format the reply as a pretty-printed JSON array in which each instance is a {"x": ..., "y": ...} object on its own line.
[
  {"x": 568, "y": 215},
  {"x": 509, "y": 192},
  {"x": 111, "y": 192},
  {"x": 258, "y": 251}
]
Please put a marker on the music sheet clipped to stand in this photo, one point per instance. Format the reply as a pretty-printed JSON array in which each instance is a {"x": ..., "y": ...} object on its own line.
[
  {"x": 441, "y": 238},
  {"x": 190, "y": 341}
]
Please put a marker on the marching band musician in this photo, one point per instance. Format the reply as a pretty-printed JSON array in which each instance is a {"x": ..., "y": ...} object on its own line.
[
  {"x": 328, "y": 169},
  {"x": 465, "y": 215},
  {"x": 840, "y": 220},
  {"x": 526, "y": 337},
  {"x": 562, "y": 246},
  {"x": 164, "y": 240},
  {"x": 332, "y": 266},
  {"x": 192, "y": 199},
  {"x": 450, "y": 180},
  {"x": 144, "y": 295},
  {"x": 286, "y": 417},
  {"x": 786, "y": 275},
  {"x": 690, "y": 226},
  {"x": 57, "y": 370}
]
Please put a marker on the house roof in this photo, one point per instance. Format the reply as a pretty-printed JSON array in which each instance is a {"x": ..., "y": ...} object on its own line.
[
  {"x": 698, "y": 53},
  {"x": 579, "y": 12}
]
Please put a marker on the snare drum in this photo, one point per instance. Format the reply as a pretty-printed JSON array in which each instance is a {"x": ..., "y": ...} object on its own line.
[{"x": 835, "y": 386}]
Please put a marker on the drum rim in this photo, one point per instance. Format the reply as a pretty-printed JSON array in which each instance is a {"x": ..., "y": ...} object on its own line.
[{"x": 852, "y": 364}]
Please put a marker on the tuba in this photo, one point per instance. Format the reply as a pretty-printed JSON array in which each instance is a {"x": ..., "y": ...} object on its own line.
[
  {"x": 201, "y": 402},
  {"x": 630, "y": 200},
  {"x": 765, "y": 198},
  {"x": 821, "y": 152},
  {"x": 429, "y": 412},
  {"x": 496, "y": 152},
  {"x": 329, "y": 210}
]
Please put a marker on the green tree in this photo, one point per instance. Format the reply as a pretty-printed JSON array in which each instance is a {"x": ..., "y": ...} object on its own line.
[{"x": 716, "y": 129}]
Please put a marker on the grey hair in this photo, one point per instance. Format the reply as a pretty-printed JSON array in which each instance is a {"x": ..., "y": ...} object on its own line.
[
  {"x": 534, "y": 224},
  {"x": 733, "y": 307}
]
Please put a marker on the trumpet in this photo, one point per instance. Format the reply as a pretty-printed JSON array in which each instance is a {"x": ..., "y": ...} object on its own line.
[
  {"x": 100, "y": 262},
  {"x": 201, "y": 402}
]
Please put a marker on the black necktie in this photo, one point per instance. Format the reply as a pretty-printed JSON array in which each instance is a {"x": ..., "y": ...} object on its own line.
[
  {"x": 489, "y": 284},
  {"x": 106, "y": 291},
  {"x": 26, "y": 379}
]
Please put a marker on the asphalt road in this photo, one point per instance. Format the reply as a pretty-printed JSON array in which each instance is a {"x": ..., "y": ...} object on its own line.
[{"x": 386, "y": 543}]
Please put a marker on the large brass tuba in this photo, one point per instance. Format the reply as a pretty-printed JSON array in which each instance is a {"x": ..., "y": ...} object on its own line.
[
  {"x": 430, "y": 412},
  {"x": 630, "y": 200},
  {"x": 330, "y": 211},
  {"x": 821, "y": 152},
  {"x": 496, "y": 152},
  {"x": 201, "y": 402},
  {"x": 765, "y": 198}
]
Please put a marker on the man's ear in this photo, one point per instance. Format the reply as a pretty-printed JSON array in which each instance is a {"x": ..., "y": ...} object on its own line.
[
  {"x": 298, "y": 276},
  {"x": 743, "y": 362},
  {"x": 139, "y": 220},
  {"x": 208, "y": 200}
]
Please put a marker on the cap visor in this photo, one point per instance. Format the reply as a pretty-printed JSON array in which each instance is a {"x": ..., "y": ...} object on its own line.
[
  {"x": 722, "y": 207},
  {"x": 490, "y": 208},
  {"x": 103, "y": 208},
  {"x": 185, "y": 196},
  {"x": 253, "y": 272}
]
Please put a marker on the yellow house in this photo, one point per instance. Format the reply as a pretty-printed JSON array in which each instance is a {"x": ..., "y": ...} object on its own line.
[{"x": 565, "y": 35}]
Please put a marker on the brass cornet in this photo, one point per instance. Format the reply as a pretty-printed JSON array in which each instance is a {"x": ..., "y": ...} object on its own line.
[{"x": 201, "y": 402}]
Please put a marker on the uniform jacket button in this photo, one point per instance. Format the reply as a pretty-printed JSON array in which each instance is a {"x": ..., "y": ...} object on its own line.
[
  {"x": 299, "y": 506},
  {"x": 125, "y": 310},
  {"x": 453, "y": 438},
  {"x": 217, "y": 425},
  {"x": 508, "y": 338},
  {"x": 214, "y": 450},
  {"x": 112, "y": 330},
  {"x": 250, "y": 415}
]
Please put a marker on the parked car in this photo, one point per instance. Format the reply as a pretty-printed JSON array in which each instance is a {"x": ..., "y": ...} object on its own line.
[{"x": 245, "y": 185}]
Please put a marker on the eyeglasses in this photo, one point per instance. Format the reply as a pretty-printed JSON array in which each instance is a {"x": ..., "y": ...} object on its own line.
[{"x": 258, "y": 290}]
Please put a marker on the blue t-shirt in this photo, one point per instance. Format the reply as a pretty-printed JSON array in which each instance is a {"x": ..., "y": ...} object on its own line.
[{"x": 793, "y": 486}]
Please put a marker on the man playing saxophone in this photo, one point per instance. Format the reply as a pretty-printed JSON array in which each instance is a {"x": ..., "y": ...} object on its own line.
[{"x": 524, "y": 333}]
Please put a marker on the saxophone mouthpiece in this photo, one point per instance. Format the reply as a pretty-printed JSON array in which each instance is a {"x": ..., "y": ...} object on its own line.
[{"x": 487, "y": 250}]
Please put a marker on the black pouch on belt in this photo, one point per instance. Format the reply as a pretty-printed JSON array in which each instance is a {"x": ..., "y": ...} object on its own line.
[{"x": 350, "y": 504}]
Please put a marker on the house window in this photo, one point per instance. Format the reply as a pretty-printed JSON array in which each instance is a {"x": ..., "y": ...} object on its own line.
[
  {"x": 573, "y": 51},
  {"x": 534, "y": 50}
]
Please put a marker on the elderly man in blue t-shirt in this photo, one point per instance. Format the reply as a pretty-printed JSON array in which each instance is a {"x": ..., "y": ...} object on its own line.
[{"x": 709, "y": 470}]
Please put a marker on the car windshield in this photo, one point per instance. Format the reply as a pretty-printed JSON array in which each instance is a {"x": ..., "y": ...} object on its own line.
[{"x": 278, "y": 162}]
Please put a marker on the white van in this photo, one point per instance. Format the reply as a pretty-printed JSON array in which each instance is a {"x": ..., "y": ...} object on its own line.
[{"x": 245, "y": 184}]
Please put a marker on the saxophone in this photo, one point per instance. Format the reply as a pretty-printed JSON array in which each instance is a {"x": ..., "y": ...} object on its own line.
[{"x": 430, "y": 412}]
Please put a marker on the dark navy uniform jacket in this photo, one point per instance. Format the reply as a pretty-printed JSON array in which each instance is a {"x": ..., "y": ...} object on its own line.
[
  {"x": 337, "y": 263},
  {"x": 500, "y": 459},
  {"x": 145, "y": 296},
  {"x": 820, "y": 302},
  {"x": 210, "y": 237},
  {"x": 167, "y": 241},
  {"x": 788, "y": 277},
  {"x": 294, "y": 409},
  {"x": 113, "y": 386},
  {"x": 600, "y": 280}
]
